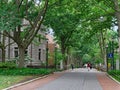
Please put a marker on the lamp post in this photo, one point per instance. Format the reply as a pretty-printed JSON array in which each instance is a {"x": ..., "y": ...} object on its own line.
[
  {"x": 46, "y": 53},
  {"x": 113, "y": 53},
  {"x": 55, "y": 56},
  {"x": 107, "y": 57}
]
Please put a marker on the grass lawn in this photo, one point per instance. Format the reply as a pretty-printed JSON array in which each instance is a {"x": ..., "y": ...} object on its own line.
[
  {"x": 10, "y": 77},
  {"x": 6, "y": 81}
]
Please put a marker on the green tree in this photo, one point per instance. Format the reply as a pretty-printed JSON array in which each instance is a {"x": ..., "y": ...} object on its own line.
[
  {"x": 7, "y": 15},
  {"x": 79, "y": 23},
  {"x": 63, "y": 20},
  {"x": 3, "y": 45},
  {"x": 30, "y": 15}
]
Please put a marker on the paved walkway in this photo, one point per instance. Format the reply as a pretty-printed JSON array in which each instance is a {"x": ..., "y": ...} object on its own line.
[{"x": 77, "y": 79}]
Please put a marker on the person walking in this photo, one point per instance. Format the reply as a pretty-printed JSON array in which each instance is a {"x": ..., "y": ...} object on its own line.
[
  {"x": 88, "y": 66},
  {"x": 72, "y": 66}
]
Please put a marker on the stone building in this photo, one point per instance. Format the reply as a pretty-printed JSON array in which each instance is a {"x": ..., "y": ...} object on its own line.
[{"x": 35, "y": 51}]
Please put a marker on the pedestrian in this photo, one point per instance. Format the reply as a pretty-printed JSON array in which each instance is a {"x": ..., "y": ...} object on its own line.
[
  {"x": 72, "y": 66},
  {"x": 88, "y": 66}
]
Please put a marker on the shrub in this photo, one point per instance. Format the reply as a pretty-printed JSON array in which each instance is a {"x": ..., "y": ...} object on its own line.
[
  {"x": 7, "y": 65},
  {"x": 25, "y": 71},
  {"x": 115, "y": 74}
]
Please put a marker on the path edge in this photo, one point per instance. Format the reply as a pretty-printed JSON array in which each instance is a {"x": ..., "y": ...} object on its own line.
[{"x": 112, "y": 78}]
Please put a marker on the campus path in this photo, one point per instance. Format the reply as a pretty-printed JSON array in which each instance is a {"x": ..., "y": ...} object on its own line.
[{"x": 77, "y": 79}]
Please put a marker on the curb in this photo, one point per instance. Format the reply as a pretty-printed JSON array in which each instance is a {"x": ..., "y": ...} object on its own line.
[
  {"x": 26, "y": 82},
  {"x": 113, "y": 78}
]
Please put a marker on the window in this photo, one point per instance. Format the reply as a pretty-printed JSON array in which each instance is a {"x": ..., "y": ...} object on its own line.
[
  {"x": 39, "y": 54},
  {"x": 26, "y": 51},
  {"x": 16, "y": 51}
]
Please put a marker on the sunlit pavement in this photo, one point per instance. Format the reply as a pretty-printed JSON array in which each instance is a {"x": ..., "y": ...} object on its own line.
[
  {"x": 85, "y": 70},
  {"x": 77, "y": 79}
]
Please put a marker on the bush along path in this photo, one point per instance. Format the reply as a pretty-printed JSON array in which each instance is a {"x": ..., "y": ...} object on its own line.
[
  {"x": 11, "y": 76},
  {"x": 115, "y": 74}
]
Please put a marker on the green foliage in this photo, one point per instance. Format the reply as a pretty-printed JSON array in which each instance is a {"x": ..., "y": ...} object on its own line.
[
  {"x": 76, "y": 23},
  {"x": 8, "y": 16},
  {"x": 86, "y": 58},
  {"x": 63, "y": 19},
  {"x": 25, "y": 71},
  {"x": 7, "y": 65},
  {"x": 10, "y": 77},
  {"x": 115, "y": 74},
  {"x": 85, "y": 21},
  {"x": 38, "y": 38},
  {"x": 59, "y": 57},
  {"x": 24, "y": 18},
  {"x": 98, "y": 61}
]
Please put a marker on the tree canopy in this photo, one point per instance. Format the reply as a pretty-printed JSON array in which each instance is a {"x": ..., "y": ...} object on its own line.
[
  {"x": 82, "y": 25},
  {"x": 77, "y": 24}
]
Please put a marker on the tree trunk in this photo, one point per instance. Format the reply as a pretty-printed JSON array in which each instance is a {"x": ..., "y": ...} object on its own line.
[
  {"x": 21, "y": 56},
  {"x": 64, "y": 59},
  {"x": 102, "y": 46},
  {"x": 3, "y": 55},
  {"x": 119, "y": 50},
  {"x": 117, "y": 14},
  {"x": 80, "y": 62},
  {"x": 9, "y": 48},
  {"x": 3, "y": 48}
]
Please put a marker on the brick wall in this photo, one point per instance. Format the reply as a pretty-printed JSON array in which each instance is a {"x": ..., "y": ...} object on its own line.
[{"x": 51, "y": 48}]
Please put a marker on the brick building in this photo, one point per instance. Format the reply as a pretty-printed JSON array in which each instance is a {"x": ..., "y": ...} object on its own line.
[{"x": 51, "y": 50}]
